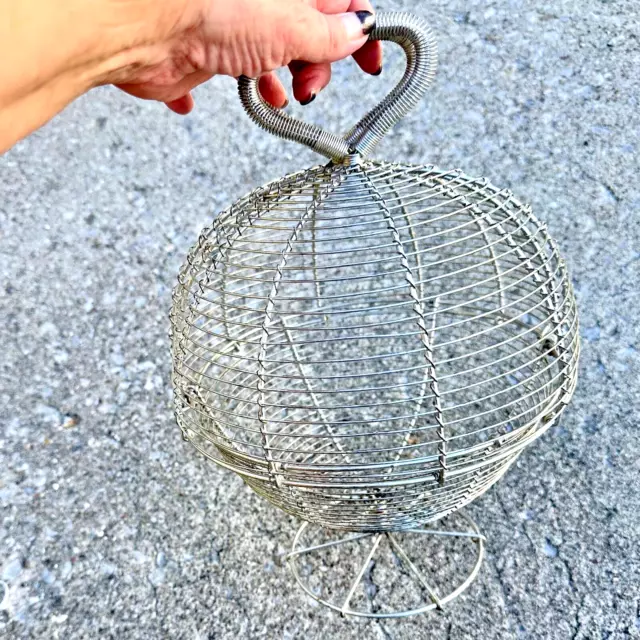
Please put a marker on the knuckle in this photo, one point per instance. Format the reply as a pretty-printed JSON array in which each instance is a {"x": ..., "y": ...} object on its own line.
[{"x": 306, "y": 37}]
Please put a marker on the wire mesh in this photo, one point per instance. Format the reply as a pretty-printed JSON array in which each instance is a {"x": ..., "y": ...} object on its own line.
[{"x": 371, "y": 345}]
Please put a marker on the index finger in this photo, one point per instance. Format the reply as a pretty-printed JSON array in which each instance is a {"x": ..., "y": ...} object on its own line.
[{"x": 369, "y": 56}]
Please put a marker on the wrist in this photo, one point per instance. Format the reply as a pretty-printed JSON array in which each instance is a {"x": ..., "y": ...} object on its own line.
[{"x": 60, "y": 50}]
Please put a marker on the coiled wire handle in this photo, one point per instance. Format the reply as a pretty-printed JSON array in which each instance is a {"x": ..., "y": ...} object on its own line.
[{"x": 415, "y": 37}]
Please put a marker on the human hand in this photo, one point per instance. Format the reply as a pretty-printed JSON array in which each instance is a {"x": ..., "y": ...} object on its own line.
[{"x": 253, "y": 38}]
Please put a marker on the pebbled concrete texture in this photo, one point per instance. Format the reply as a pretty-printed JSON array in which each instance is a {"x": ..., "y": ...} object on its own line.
[{"x": 111, "y": 526}]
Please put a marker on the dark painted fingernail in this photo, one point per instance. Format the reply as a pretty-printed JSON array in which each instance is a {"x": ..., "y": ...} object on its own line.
[
  {"x": 368, "y": 21},
  {"x": 378, "y": 72},
  {"x": 309, "y": 100}
]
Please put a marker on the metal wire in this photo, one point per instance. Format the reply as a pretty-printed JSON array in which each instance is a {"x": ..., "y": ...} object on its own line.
[
  {"x": 415, "y": 37},
  {"x": 371, "y": 345},
  {"x": 316, "y": 578}
]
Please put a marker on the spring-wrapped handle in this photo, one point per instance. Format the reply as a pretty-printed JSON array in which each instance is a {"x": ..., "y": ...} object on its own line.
[{"x": 415, "y": 37}]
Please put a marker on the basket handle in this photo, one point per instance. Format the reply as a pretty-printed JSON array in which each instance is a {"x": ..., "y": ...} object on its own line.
[{"x": 415, "y": 37}]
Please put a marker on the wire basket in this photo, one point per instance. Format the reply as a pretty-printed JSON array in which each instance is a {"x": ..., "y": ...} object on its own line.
[{"x": 371, "y": 345}]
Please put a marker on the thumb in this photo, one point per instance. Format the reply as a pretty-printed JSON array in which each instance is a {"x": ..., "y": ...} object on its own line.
[{"x": 318, "y": 37}]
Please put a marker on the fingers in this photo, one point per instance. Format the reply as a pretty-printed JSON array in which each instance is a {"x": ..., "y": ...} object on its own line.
[
  {"x": 166, "y": 93},
  {"x": 320, "y": 37},
  {"x": 333, "y": 6},
  {"x": 181, "y": 106},
  {"x": 319, "y": 31},
  {"x": 369, "y": 56},
  {"x": 272, "y": 91},
  {"x": 309, "y": 80}
]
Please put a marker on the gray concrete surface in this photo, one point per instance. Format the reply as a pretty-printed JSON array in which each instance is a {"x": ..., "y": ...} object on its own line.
[{"x": 112, "y": 527}]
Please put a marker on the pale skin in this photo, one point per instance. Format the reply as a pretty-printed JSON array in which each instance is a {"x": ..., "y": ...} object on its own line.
[{"x": 56, "y": 50}]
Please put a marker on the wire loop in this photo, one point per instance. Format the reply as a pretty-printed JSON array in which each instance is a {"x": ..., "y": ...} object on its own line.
[{"x": 415, "y": 37}]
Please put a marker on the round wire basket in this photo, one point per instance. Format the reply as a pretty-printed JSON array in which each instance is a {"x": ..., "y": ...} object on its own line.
[{"x": 370, "y": 345}]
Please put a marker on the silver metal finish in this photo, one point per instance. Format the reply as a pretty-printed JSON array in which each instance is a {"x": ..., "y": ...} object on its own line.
[
  {"x": 415, "y": 37},
  {"x": 371, "y": 345},
  {"x": 376, "y": 549}
]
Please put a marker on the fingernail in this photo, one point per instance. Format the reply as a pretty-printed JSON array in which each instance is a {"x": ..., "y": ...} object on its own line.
[
  {"x": 358, "y": 24},
  {"x": 368, "y": 21},
  {"x": 286, "y": 104},
  {"x": 309, "y": 100},
  {"x": 378, "y": 72}
]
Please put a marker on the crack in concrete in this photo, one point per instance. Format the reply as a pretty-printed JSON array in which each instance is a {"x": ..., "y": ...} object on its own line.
[
  {"x": 155, "y": 605},
  {"x": 577, "y": 625},
  {"x": 509, "y": 608},
  {"x": 561, "y": 557},
  {"x": 449, "y": 630},
  {"x": 370, "y": 587},
  {"x": 383, "y": 631},
  {"x": 518, "y": 524},
  {"x": 510, "y": 611}
]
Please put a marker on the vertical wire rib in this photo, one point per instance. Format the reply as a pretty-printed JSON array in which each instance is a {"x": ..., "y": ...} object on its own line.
[
  {"x": 418, "y": 258},
  {"x": 216, "y": 253},
  {"x": 477, "y": 214},
  {"x": 551, "y": 296},
  {"x": 337, "y": 177},
  {"x": 314, "y": 398},
  {"x": 425, "y": 336},
  {"x": 314, "y": 257},
  {"x": 554, "y": 305}
]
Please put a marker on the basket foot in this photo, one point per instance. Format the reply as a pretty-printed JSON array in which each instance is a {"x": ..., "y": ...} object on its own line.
[{"x": 388, "y": 574}]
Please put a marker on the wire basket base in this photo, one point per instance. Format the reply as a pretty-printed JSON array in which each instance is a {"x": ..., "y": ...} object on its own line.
[{"x": 388, "y": 575}]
